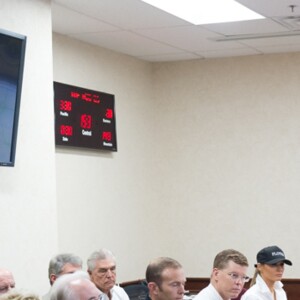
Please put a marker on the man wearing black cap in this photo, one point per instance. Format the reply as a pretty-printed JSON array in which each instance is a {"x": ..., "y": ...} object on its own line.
[{"x": 266, "y": 283}]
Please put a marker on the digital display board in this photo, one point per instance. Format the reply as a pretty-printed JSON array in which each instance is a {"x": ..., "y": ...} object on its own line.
[{"x": 84, "y": 118}]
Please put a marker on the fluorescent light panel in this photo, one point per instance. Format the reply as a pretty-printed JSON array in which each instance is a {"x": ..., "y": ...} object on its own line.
[{"x": 206, "y": 11}]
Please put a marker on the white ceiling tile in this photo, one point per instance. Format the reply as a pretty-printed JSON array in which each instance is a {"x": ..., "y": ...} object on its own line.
[
  {"x": 76, "y": 22},
  {"x": 136, "y": 28},
  {"x": 272, "y": 41},
  {"x": 127, "y": 42},
  {"x": 279, "y": 49},
  {"x": 246, "y": 27},
  {"x": 229, "y": 52},
  {"x": 124, "y": 13},
  {"x": 171, "y": 57},
  {"x": 190, "y": 38},
  {"x": 271, "y": 8}
]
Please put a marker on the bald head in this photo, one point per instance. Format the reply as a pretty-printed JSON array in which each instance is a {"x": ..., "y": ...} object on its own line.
[
  {"x": 7, "y": 281},
  {"x": 75, "y": 286}
]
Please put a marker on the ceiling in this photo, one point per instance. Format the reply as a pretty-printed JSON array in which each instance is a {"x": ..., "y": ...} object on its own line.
[{"x": 137, "y": 29}]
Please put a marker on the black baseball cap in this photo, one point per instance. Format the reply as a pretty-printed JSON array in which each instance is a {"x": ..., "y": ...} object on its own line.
[{"x": 271, "y": 255}]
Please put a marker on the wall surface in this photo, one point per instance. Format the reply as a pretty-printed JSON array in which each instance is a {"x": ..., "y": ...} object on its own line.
[
  {"x": 28, "y": 223},
  {"x": 207, "y": 159},
  {"x": 103, "y": 196},
  {"x": 230, "y": 162}
]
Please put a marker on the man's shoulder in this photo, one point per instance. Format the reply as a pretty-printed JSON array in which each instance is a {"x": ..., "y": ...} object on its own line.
[
  {"x": 203, "y": 293},
  {"x": 208, "y": 293},
  {"x": 119, "y": 293},
  {"x": 118, "y": 288}
]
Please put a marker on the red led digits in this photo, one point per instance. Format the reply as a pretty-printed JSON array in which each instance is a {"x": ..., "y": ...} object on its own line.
[
  {"x": 86, "y": 121},
  {"x": 106, "y": 136},
  {"x": 75, "y": 94},
  {"x": 86, "y": 97},
  {"x": 65, "y": 105},
  {"x": 96, "y": 99},
  {"x": 109, "y": 113},
  {"x": 66, "y": 130}
]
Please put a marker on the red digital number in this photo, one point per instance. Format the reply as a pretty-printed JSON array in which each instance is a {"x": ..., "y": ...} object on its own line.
[
  {"x": 86, "y": 97},
  {"x": 109, "y": 113},
  {"x": 96, "y": 99},
  {"x": 66, "y": 130},
  {"x": 65, "y": 105},
  {"x": 75, "y": 95},
  {"x": 106, "y": 135},
  {"x": 86, "y": 121}
]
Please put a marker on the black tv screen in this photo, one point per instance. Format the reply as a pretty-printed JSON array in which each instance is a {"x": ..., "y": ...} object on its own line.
[{"x": 12, "y": 55}]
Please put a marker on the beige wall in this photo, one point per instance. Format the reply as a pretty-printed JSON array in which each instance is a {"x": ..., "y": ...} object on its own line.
[
  {"x": 230, "y": 159},
  {"x": 28, "y": 222},
  {"x": 207, "y": 159},
  {"x": 103, "y": 196}
]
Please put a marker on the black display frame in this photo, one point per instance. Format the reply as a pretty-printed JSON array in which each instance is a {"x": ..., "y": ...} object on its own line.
[
  {"x": 84, "y": 118},
  {"x": 12, "y": 62}
]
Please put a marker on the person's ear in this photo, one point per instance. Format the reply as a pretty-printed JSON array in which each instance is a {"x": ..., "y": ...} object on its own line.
[
  {"x": 215, "y": 274},
  {"x": 53, "y": 277},
  {"x": 153, "y": 288},
  {"x": 259, "y": 267}
]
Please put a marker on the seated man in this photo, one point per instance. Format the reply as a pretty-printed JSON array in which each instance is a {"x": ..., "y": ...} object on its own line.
[
  {"x": 102, "y": 270},
  {"x": 228, "y": 276},
  {"x": 75, "y": 286},
  {"x": 7, "y": 281},
  {"x": 166, "y": 279},
  {"x": 60, "y": 264}
]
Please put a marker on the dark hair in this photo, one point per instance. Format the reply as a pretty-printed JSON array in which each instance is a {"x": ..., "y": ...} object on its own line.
[
  {"x": 222, "y": 259},
  {"x": 157, "y": 266}
]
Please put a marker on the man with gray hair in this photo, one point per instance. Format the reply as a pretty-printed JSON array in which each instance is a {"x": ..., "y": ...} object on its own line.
[
  {"x": 74, "y": 286},
  {"x": 102, "y": 270},
  {"x": 60, "y": 264}
]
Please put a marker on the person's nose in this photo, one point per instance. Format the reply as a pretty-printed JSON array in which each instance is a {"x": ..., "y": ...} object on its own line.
[
  {"x": 240, "y": 281},
  {"x": 181, "y": 289}
]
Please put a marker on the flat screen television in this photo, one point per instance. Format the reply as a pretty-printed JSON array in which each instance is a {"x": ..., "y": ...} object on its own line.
[{"x": 12, "y": 56}]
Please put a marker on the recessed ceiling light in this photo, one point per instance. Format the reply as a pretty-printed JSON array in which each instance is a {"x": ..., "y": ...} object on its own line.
[{"x": 206, "y": 11}]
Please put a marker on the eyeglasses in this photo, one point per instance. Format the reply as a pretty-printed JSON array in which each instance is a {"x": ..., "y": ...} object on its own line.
[{"x": 235, "y": 277}]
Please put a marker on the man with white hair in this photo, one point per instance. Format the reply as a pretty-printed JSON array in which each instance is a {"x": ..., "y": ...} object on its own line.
[
  {"x": 102, "y": 270},
  {"x": 74, "y": 286}
]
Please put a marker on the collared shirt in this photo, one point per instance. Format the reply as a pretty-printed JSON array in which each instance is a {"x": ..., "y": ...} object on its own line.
[
  {"x": 260, "y": 291},
  {"x": 208, "y": 293},
  {"x": 117, "y": 293}
]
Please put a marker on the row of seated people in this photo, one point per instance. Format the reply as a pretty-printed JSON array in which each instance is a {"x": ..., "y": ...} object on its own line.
[{"x": 165, "y": 278}]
